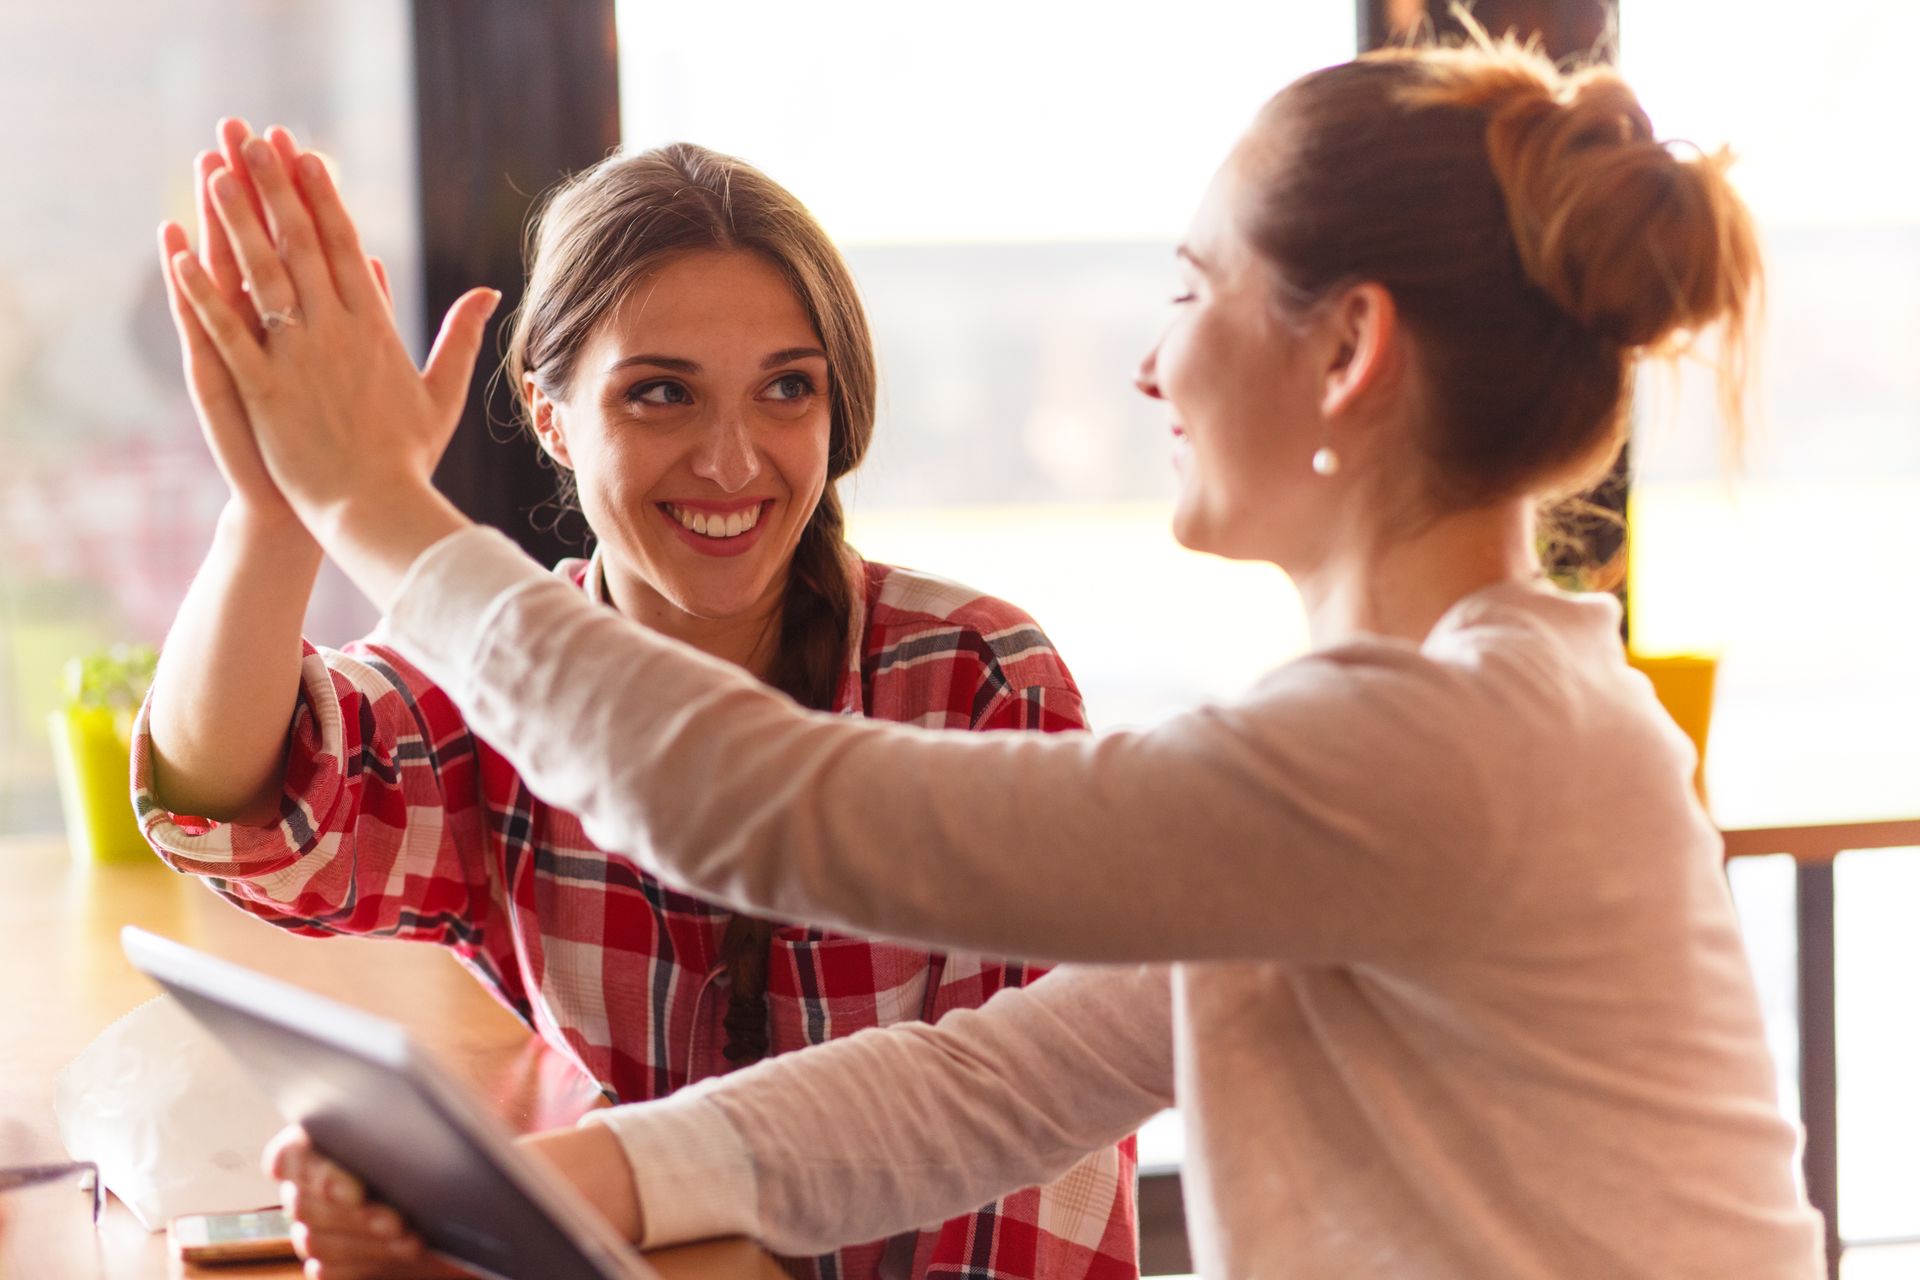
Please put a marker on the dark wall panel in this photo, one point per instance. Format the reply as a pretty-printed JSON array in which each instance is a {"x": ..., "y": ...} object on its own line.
[{"x": 513, "y": 95}]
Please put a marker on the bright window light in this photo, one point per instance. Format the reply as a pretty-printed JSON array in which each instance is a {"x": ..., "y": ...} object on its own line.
[
  {"x": 1794, "y": 570},
  {"x": 1002, "y": 120}
]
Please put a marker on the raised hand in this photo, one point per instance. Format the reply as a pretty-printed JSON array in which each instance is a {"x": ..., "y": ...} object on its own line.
[
  {"x": 222, "y": 416},
  {"x": 339, "y": 413}
]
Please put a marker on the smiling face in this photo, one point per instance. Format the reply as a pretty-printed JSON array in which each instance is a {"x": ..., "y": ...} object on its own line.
[
  {"x": 697, "y": 428},
  {"x": 1241, "y": 388}
]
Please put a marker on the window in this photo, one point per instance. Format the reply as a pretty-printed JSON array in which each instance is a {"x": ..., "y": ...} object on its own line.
[
  {"x": 1793, "y": 571},
  {"x": 1797, "y": 572},
  {"x": 108, "y": 497},
  {"x": 1008, "y": 182}
]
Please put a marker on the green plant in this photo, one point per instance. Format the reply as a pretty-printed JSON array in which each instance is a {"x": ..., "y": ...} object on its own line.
[{"x": 113, "y": 679}]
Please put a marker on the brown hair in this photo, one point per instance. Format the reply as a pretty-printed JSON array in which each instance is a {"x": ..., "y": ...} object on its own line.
[
  {"x": 595, "y": 237},
  {"x": 1535, "y": 236}
]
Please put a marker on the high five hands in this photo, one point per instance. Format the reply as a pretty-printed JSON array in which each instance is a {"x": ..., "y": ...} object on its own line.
[{"x": 311, "y": 404}]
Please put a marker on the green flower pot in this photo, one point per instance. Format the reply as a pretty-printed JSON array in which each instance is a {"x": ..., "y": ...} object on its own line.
[{"x": 92, "y": 740}]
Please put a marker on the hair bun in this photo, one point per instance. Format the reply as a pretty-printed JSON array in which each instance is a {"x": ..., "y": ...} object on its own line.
[{"x": 1637, "y": 243}]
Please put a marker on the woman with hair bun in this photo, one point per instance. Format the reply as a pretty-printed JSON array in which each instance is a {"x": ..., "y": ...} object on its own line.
[
  {"x": 692, "y": 354},
  {"x": 1427, "y": 932}
]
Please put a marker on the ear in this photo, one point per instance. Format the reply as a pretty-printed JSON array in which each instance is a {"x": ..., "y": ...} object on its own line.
[
  {"x": 1364, "y": 333},
  {"x": 548, "y": 421}
]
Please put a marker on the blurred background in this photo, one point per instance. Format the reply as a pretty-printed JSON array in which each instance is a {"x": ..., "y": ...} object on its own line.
[{"x": 1008, "y": 180}]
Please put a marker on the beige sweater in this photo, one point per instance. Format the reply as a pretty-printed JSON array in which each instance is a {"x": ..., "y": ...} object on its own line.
[{"x": 1430, "y": 941}]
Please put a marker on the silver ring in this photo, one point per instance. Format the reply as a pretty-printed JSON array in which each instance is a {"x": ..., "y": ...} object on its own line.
[{"x": 275, "y": 321}]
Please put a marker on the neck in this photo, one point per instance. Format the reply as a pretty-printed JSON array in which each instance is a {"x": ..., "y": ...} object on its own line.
[
  {"x": 1400, "y": 585},
  {"x": 749, "y": 639}
]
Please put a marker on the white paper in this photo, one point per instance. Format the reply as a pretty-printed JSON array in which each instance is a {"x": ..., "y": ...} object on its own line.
[{"x": 172, "y": 1121}]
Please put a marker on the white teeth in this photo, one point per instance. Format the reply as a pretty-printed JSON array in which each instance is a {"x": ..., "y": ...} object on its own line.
[{"x": 716, "y": 525}]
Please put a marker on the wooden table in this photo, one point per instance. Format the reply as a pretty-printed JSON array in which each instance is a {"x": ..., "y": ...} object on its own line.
[{"x": 65, "y": 979}]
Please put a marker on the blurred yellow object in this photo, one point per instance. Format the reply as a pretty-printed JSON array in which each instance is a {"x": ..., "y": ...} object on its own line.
[
  {"x": 1684, "y": 684},
  {"x": 91, "y": 748}
]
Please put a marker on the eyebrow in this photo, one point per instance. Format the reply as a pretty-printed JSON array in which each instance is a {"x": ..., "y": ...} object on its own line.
[{"x": 678, "y": 364}]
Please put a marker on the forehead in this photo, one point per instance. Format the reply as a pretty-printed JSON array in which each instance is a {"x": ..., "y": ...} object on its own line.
[
  {"x": 708, "y": 298},
  {"x": 1214, "y": 233}
]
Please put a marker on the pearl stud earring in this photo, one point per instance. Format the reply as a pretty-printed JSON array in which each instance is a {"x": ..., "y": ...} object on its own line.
[{"x": 1325, "y": 460}]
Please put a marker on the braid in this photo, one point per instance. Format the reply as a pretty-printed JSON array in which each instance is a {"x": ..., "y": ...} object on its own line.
[
  {"x": 743, "y": 950},
  {"x": 817, "y": 611},
  {"x": 814, "y": 619}
]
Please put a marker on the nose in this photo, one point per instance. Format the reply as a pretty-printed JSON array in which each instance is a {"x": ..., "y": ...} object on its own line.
[
  {"x": 1145, "y": 378},
  {"x": 726, "y": 454}
]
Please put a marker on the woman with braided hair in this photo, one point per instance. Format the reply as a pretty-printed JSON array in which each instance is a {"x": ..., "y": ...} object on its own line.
[
  {"x": 1427, "y": 932},
  {"x": 693, "y": 356}
]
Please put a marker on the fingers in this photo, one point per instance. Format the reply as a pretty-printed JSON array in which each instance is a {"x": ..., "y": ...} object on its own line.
[
  {"x": 233, "y": 135},
  {"x": 193, "y": 339},
  {"x": 290, "y": 225},
  {"x": 449, "y": 369},
  {"x": 326, "y": 1197},
  {"x": 348, "y": 1231},
  {"x": 216, "y": 251},
  {"x": 284, "y": 1153},
  {"x": 341, "y": 1235},
  {"x": 334, "y": 1256},
  {"x": 288, "y": 152},
  {"x": 266, "y": 276},
  {"x": 380, "y": 278},
  {"x": 207, "y": 381},
  {"x": 280, "y": 138},
  {"x": 356, "y": 283},
  {"x": 231, "y": 336},
  {"x": 358, "y": 287},
  {"x": 252, "y": 188},
  {"x": 344, "y": 1245}
]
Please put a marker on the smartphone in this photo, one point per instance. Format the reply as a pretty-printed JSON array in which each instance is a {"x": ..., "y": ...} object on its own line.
[{"x": 260, "y": 1236}]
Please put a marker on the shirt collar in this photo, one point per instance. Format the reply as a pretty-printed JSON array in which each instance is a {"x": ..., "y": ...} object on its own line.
[{"x": 850, "y": 698}]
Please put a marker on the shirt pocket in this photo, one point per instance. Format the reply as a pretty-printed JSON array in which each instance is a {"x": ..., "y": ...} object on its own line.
[{"x": 821, "y": 989}]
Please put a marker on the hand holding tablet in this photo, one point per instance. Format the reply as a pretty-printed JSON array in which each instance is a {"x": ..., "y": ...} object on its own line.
[{"x": 365, "y": 1098}]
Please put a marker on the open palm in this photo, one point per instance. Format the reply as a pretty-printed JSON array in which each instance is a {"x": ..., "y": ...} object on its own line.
[{"x": 332, "y": 399}]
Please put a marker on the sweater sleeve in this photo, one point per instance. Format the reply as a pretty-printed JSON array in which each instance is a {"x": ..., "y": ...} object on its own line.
[
  {"x": 381, "y": 824},
  {"x": 1321, "y": 818},
  {"x": 892, "y": 1128}
]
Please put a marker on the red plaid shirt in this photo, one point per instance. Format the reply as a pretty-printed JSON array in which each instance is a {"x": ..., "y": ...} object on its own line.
[{"x": 398, "y": 822}]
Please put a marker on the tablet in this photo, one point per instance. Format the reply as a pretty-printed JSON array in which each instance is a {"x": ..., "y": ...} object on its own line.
[{"x": 373, "y": 1103}]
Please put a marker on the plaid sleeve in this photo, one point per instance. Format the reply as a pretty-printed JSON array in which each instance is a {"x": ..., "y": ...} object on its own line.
[
  {"x": 1080, "y": 1226},
  {"x": 1083, "y": 1225},
  {"x": 381, "y": 827},
  {"x": 1048, "y": 708},
  {"x": 1031, "y": 689}
]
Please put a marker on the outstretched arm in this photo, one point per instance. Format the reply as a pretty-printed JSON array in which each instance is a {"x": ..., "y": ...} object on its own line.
[
  {"x": 344, "y": 782},
  {"x": 1320, "y": 819},
  {"x": 889, "y": 1129},
  {"x": 853, "y": 1140}
]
